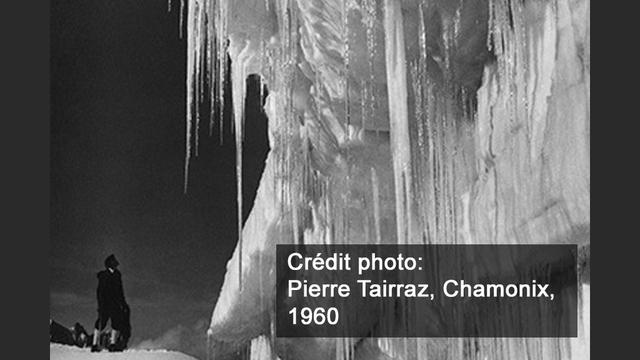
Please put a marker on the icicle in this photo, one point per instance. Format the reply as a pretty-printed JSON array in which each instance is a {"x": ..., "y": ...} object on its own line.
[
  {"x": 456, "y": 22},
  {"x": 346, "y": 59},
  {"x": 509, "y": 40},
  {"x": 398, "y": 112},
  {"x": 370, "y": 14},
  {"x": 211, "y": 69},
  {"x": 209, "y": 341},
  {"x": 191, "y": 74},
  {"x": 196, "y": 28},
  {"x": 364, "y": 97},
  {"x": 221, "y": 57},
  {"x": 418, "y": 150},
  {"x": 263, "y": 71},
  {"x": 376, "y": 205},
  {"x": 239, "y": 83},
  {"x": 182, "y": 17},
  {"x": 422, "y": 38}
]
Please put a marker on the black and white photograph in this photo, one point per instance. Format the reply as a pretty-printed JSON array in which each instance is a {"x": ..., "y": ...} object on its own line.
[{"x": 319, "y": 179}]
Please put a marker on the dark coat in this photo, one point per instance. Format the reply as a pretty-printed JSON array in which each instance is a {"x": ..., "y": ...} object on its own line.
[{"x": 110, "y": 292}]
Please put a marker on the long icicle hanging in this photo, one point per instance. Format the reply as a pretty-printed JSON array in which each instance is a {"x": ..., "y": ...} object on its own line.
[
  {"x": 239, "y": 91},
  {"x": 398, "y": 114},
  {"x": 191, "y": 61}
]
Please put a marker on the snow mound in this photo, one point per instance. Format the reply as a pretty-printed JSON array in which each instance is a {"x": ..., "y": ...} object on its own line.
[{"x": 64, "y": 352}]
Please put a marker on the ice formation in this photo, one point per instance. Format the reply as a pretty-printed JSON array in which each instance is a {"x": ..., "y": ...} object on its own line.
[{"x": 408, "y": 121}]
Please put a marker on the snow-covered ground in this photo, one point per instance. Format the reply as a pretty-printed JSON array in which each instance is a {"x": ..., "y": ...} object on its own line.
[{"x": 63, "y": 352}]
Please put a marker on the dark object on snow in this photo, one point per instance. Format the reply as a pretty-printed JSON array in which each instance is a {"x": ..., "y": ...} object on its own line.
[
  {"x": 76, "y": 335},
  {"x": 112, "y": 306},
  {"x": 60, "y": 334},
  {"x": 80, "y": 336}
]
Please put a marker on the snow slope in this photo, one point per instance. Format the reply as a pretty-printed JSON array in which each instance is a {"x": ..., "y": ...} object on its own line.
[{"x": 63, "y": 352}]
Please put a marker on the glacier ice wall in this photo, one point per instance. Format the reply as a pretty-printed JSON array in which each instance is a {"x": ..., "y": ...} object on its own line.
[{"x": 399, "y": 121}]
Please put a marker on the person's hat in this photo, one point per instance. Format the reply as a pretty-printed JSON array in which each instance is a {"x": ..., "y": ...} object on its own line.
[{"x": 111, "y": 261}]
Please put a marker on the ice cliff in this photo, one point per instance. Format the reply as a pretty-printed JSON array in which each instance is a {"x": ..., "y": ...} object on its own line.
[{"x": 413, "y": 121}]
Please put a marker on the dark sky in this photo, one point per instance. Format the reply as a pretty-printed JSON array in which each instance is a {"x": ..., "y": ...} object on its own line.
[{"x": 117, "y": 158}]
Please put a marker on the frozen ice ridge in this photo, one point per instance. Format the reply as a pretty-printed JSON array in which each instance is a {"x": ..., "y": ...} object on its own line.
[{"x": 399, "y": 121}]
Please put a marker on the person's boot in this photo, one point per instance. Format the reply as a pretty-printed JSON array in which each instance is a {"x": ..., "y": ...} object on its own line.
[
  {"x": 113, "y": 341},
  {"x": 96, "y": 338}
]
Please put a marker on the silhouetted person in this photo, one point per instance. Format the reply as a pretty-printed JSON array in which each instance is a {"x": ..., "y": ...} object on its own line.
[{"x": 111, "y": 306}]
